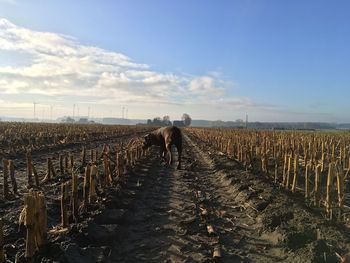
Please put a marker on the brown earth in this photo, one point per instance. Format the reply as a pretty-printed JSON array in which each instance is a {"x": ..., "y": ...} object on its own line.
[{"x": 160, "y": 214}]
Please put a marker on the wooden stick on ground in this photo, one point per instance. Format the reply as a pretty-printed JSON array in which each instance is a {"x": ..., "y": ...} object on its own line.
[
  {"x": 36, "y": 177},
  {"x": 71, "y": 161},
  {"x": 12, "y": 176},
  {"x": 29, "y": 169},
  {"x": 284, "y": 177},
  {"x": 317, "y": 184},
  {"x": 5, "y": 183},
  {"x": 86, "y": 189},
  {"x": 41, "y": 237},
  {"x": 83, "y": 156},
  {"x": 66, "y": 163},
  {"x": 92, "y": 155},
  {"x": 75, "y": 196},
  {"x": 329, "y": 189},
  {"x": 64, "y": 212},
  {"x": 29, "y": 203},
  {"x": 110, "y": 173},
  {"x": 276, "y": 170},
  {"x": 210, "y": 230},
  {"x": 119, "y": 164},
  {"x": 60, "y": 158},
  {"x": 307, "y": 184},
  {"x": 295, "y": 177},
  {"x": 340, "y": 188},
  {"x": 48, "y": 172},
  {"x": 53, "y": 172},
  {"x": 106, "y": 177},
  {"x": 217, "y": 252},
  {"x": 95, "y": 155},
  {"x": 2, "y": 252},
  {"x": 288, "y": 172},
  {"x": 92, "y": 192}
]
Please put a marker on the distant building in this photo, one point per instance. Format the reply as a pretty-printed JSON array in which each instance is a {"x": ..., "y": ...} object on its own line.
[
  {"x": 83, "y": 121},
  {"x": 179, "y": 123},
  {"x": 68, "y": 120},
  {"x": 115, "y": 121}
]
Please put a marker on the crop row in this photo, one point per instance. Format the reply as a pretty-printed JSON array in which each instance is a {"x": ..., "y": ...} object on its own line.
[
  {"x": 21, "y": 137},
  {"x": 78, "y": 181},
  {"x": 315, "y": 164}
]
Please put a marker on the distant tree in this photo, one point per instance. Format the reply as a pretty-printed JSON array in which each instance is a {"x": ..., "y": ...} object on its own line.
[
  {"x": 186, "y": 119},
  {"x": 166, "y": 120},
  {"x": 157, "y": 121}
]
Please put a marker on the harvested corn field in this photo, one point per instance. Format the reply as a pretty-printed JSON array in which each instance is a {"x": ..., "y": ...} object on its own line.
[{"x": 241, "y": 196}]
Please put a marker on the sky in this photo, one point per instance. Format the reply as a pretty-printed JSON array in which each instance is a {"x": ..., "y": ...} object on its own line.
[{"x": 216, "y": 60}]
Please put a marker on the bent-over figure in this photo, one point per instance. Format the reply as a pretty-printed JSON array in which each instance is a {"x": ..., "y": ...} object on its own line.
[{"x": 165, "y": 137}]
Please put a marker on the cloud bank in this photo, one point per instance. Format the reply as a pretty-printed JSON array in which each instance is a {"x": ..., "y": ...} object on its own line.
[{"x": 57, "y": 65}]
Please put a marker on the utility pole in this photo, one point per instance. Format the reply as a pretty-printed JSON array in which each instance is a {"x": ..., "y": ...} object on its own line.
[
  {"x": 73, "y": 111},
  {"x": 34, "y": 109},
  {"x": 89, "y": 112},
  {"x": 246, "y": 121},
  {"x": 51, "y": 107}
]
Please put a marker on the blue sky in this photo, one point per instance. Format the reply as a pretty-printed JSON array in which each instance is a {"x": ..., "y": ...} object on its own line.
[{"x": 275, "y": 60}]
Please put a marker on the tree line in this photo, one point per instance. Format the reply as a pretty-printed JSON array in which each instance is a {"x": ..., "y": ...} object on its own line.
[{"x": 165, "y": 121}]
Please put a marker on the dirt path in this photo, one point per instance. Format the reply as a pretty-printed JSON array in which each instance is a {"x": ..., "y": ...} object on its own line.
[
  {"x": 238, "y": 232},
  {"x": 252, "y": 220},
  {"x": 163, "y": 224},
  {"x": 169, "y": 221}
]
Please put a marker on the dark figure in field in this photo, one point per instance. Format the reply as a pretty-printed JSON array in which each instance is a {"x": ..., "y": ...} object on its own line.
[{"x": 165, "y": 137}]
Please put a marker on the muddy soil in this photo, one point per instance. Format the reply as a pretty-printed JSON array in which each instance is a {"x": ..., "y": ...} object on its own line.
[{"x": 210, "y": 210}]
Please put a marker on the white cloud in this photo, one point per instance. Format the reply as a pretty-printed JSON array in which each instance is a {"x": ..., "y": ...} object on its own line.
[
  {"x": 58, "y": 65},
  {"x": 206, "y": 85},
  {"x": 14, "y": 105},
  {"x": 11, "y": 2}
]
